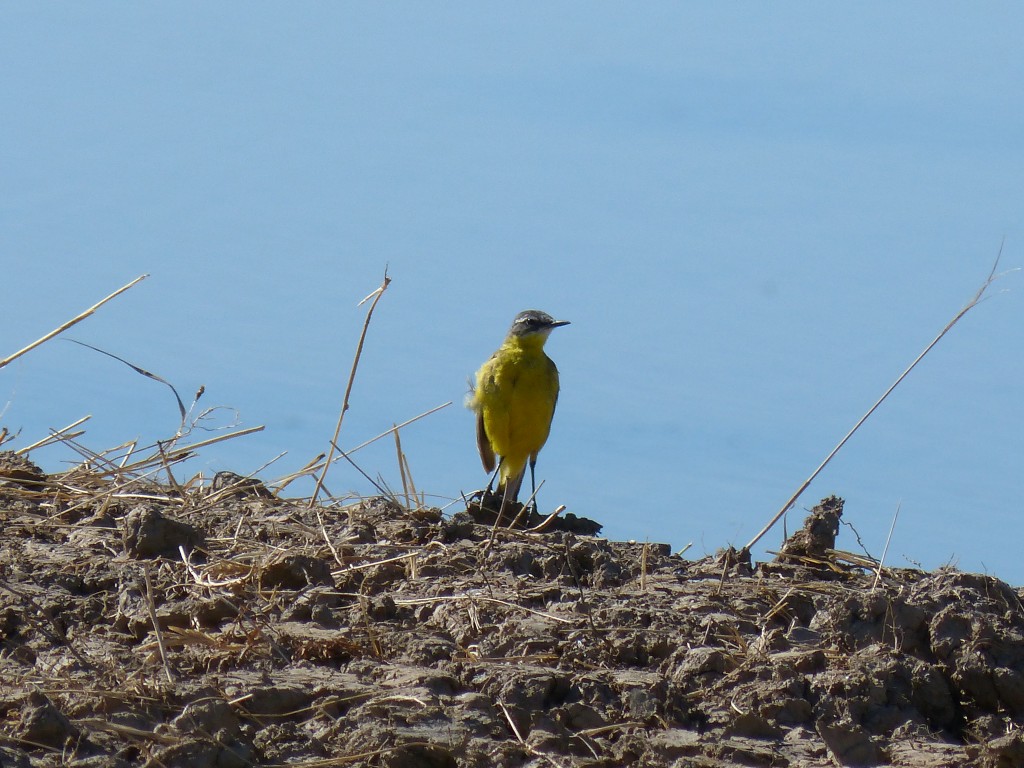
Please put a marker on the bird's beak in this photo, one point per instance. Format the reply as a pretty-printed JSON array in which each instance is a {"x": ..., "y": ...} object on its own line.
[{"x": 558, "y": 323}]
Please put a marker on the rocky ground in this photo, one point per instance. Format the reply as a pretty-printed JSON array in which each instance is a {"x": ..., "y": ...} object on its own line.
[{"x": 163, "y": 625}]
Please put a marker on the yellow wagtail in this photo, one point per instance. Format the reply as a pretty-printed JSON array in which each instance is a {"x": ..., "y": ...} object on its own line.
[{"x": 514, "y": 399}]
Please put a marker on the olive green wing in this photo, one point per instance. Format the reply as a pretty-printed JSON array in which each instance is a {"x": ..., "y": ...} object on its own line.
[{"x": 483, "y": 444}]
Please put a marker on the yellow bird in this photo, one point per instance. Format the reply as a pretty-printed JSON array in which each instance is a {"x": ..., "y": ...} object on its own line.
[{"x": 514, "y": 398}]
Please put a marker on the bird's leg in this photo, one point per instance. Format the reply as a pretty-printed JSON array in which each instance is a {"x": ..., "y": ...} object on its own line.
[
  {"x": 533, "y": 481},
  {"x": 511, "y": 490},
  {"x": 490, "y": 483}
]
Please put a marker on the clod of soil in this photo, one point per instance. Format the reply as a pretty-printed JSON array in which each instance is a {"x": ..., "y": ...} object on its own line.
[{"x": 201, "y": 627}]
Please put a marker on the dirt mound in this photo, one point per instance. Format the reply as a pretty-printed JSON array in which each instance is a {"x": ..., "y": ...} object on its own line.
[{"x": 221, "y": 627}]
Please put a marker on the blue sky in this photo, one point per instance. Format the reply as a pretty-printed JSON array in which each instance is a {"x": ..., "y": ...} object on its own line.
[{"x": 755, "y": 216}]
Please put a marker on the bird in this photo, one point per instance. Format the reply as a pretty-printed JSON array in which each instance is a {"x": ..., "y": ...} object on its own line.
[{"x": 514, "y": 398}]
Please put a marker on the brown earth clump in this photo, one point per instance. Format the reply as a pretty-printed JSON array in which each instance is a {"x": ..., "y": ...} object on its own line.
[{"x": 144, "y": 624}]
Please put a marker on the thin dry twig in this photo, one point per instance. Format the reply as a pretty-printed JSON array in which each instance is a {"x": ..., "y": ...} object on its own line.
[
  {"x": 885, "y": 549},
  {"x": 318, "y": 464},
  {"x": 547, "y": 520},
  {"x": 644, "y": 554},
  {"x": 177, "y": 451},
  {"x": 348, "y": 387},
  {"x": 99, "y": 724},
  {"x": 476, "y": 598},
  {"x": 151, "y": 610},
  {"x": 373, "y": 564},
  {"x": 55, "y": 436},
  {"x": 512, "y": 723},
  {"x": 327, "y": 539},
  {"x": 404, "y": 424},
  {"x": 992, "y": 277},
  {"x": 311, "y": 466},
  {"x": 523, "y": 510},
  {"x": 73, "y": 321},
  {"x": 402, "y": 467},
  {"x": 332, "y": 762},
  {"x": 519, "y": 737}
]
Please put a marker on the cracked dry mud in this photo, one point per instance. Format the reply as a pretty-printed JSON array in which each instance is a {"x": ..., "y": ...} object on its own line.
[{"x": 374, "y": 635}]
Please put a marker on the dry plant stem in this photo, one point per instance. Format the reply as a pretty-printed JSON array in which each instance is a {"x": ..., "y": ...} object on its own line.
[
  {"x": 401, "y": 467},
  {"x": 311, "y": 466},
  {"x": 992, "y": 276},
  {"x": 519, "y": 737},
  {"x": 177, "y": 451},
  {"x": 167, "y": 470},
  {"x": 404, "y": 424},
  {"x": 151, "y": 608},
  {"x": 643, "y": 566},
  {"x": 885, "y": 549},
  {"x": 73, "y": 321},
  {"x": 98, "y": 724},
  {"x": 348, "y": 387},
  {"x": 512, "y": 724},
  {"x": 547, "y": 520},
  {"x": 333, "y": 762},
  {"x": 357, "y": 468},
  {"x": 526, "y": 506},
  {"x": 413, "y": 493},
  {"x": 54, "y": 436},
  {"x": 315, "y": 465},
  {"x": 327, "y": 539},
  {"x": 374, "y": 564},
  {"x": 471, "y": 598}
]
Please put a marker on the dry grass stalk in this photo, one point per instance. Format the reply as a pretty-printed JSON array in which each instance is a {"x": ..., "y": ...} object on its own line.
[
  {"x": 885, "y": 549},
  {"x": 866, "y": 562},
  {"x": 73, "y": 321},
  {"x": 512, "y": 724},
  {"x": 601, "y": 730},
  {"x": 348, "y": 387},
  {"x": 547, "y": 520},
  {"x": 481, "y": 599},
  {"x": 522, "y": 742},
  {"x": 408, "y": 487},
  {"x": 311, "y": 467},
  {"x": 98, "y": 724},
  {"x": 55, "y": 436},
  {"x": 178, "y": 450},
  {"x": 327, "y": 539},
  {"x": 780, "y": 605},
  {"x": 151, "y": 610},
  {"x": 318, "y": 464},
  {"x": 166, "y": 466},
  {"x": 332, "y": 762},
  {"x": 374, "y": 564},
  {"x": 644, "y": 554},
  {"x": 523, "y": 510},
  {"x": 202, "y": 580},
  {"x": 975, "y": 300}
]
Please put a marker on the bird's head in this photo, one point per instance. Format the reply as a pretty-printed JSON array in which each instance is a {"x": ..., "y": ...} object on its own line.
[{"x": 533, "y": 321}]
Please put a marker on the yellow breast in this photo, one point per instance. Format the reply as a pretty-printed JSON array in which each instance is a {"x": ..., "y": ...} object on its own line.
[{"x": 515, "y": 395}]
